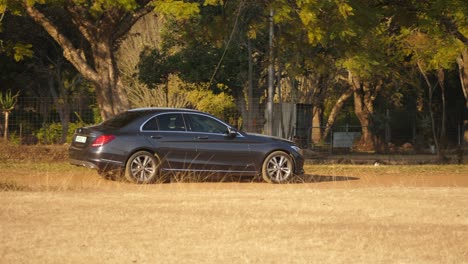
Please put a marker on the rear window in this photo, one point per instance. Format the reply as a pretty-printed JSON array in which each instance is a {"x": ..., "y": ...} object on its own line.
[
  {"x": 123, "y": 119},
  {"x": 171, "y": 122}
]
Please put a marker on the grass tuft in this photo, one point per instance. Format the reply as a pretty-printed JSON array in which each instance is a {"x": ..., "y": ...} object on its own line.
[
  {"x": 10, "y": 152},
  {"x": 12, "y": 187}
]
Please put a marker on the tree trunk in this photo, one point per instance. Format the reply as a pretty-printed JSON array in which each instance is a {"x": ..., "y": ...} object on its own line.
[
  {"x": 364, "y": 97},
  {"x": 61, "y": 103},
  {"x": 102, "y": 69},
  {"x": 316, "y": 129},
  {"x": 271, "y": 73},
  {"x": 336, "y": 110},
  {"x": 291, "y": 133},
  {"x": 251, "y": 113},
  {"x": 111, "y": 96},
  {"x": 463, "y": 72},
  {"x": 367, "y": 140},
  {"x": 431, "y": 112},
  {"x": 60, "y": 97},
  {"x": 442, "y": 136},
  {"x": 5, "y": 132},
  {"x": 318, "y": 96}
]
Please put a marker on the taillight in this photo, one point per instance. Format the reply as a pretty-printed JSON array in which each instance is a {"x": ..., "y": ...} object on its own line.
[{"x": 102, "y": 140}]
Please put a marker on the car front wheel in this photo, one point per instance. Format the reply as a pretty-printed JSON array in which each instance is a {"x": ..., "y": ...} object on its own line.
[
  {"x": 142, "y": 167},
  {"x": 277, "y": 167}
]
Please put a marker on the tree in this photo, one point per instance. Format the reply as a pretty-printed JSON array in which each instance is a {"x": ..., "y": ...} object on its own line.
[
  {"x": 7, "y": 104},
  {"x": 98, "y": 27},
  {"x": 48, "y": 73},
  {"x": 450, "y": 18},
  {"x": 435, "y": 42},
  {"x": 18, "y": 50},
  {"x": 211, "y": 49}
]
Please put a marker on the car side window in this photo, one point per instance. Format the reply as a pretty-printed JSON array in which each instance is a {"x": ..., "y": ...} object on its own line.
[
  {"x": 171, "y": 122},
  {"x": 201, "y": 123},
  {"x": 150, "y": 125}
]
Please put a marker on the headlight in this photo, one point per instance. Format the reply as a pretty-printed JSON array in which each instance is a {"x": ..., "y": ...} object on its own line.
[{"x": 297, "y": 149}]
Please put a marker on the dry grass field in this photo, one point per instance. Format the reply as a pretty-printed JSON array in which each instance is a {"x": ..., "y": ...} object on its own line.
[{"x": 52, "y": 212}]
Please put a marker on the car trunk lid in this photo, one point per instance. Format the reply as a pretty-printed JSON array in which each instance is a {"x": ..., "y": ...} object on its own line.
[{"x": 85, "y": 136}]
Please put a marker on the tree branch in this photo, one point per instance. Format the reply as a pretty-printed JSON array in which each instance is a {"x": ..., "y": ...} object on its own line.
[
  {"x": 452, "y": 28},
  {"x": 128, "y": 21},
  {"x": 88, "y": 30},
  {"x": 69, "y": 51}
]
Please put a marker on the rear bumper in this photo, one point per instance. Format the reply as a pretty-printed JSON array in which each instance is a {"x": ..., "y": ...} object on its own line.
[
  {"x": 94, "y": 160},
  {"x": 101, "y": 165},
  {"x": 86, "y": 164}
]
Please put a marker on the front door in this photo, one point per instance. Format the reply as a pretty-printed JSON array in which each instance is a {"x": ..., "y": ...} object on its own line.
[{"x": 216, "y": 149}]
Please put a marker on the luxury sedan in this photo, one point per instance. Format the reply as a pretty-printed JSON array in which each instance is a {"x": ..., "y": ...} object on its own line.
[{"x": 143, "y": 144}]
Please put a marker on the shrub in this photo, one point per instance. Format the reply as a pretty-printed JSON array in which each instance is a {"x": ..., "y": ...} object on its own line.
[{"x": 52, "y": 133}]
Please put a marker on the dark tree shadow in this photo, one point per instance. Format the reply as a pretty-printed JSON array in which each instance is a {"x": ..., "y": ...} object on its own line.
[
  {"x": 297, "y": 179},
  {"x": 310, "y": 178}
]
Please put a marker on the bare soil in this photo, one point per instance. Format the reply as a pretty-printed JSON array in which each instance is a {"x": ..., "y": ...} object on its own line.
[{"x": 57, "y": 213}]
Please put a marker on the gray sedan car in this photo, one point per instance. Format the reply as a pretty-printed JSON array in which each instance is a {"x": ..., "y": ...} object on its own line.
[{"x": 143, "y": 144}]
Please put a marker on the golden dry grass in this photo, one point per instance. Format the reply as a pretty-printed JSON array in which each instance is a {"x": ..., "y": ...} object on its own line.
[{"x": 340, "y": 214}]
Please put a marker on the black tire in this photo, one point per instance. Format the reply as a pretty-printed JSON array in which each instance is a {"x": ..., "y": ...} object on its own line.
[
  {"x": 142, "y": 167},
  {"x": 278, "y": 167}
]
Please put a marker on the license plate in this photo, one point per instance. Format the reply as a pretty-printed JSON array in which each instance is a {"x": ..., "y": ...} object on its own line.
[{"x": 80, "y": 139}]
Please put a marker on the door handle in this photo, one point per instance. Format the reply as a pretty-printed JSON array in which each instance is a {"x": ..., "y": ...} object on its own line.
[
  {"x": 202, "y": 137},
  {"x": 156, "y": 137}
]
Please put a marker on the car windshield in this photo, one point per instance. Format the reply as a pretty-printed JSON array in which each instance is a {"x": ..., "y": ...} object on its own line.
[{"x": 122, "y": 119}]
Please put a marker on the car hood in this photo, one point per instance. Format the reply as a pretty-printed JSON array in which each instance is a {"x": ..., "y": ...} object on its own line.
[{"x": 265, "y": 138}]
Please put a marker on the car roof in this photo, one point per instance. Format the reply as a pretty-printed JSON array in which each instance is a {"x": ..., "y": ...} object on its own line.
[{"x": 162, "y": 109}]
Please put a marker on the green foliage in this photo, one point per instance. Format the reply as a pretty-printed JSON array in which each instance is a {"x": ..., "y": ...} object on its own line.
[
  {"x": 22, "y": 51},
  {"x": 220, "y": 105},
  {"x": 155, "y": 67},
  {"x": 100, "y": 6},
  {"x": 378, "y": 41},
  {"x": 176, "y": 8},
  {"x": 8, "y": 101},
  {"x": 52, "y": 133},
  {"x": 19, "y": 51},
  {"x": 433, "y": 51},
  {"x": 14, "y": 138},
  {"x": 96, "y": 114}
]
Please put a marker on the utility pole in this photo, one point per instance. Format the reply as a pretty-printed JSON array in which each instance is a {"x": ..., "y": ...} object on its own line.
[{"x": 271, "y": 73}]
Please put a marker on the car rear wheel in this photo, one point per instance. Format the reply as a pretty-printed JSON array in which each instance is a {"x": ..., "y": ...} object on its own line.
[
  {"x": 277, "y": 167},
  {"x": 142, "y": 167}
]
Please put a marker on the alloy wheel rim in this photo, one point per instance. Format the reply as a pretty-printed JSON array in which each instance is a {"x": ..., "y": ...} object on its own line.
[
  {"x": 143, "y": 168},
  {"x": 279, "y": 168}
]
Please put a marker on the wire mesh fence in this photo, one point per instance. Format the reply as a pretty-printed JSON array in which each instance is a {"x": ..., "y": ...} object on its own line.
[{"x": 37, "y": 120}]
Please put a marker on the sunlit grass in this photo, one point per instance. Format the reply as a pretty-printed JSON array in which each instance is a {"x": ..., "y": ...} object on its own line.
[
  {"x": 332, "y": 214},
  {"x": 235, "y": 223}
]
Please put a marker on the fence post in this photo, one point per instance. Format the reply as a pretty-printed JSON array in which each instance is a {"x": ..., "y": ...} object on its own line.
[{"x": 21, "y": 133}]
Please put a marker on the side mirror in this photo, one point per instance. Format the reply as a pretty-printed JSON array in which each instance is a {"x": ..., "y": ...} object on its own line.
[{"x": 232, "y": 133}]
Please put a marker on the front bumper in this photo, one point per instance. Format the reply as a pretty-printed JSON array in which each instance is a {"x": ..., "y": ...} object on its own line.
[{"x": 298, "y": 162}]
